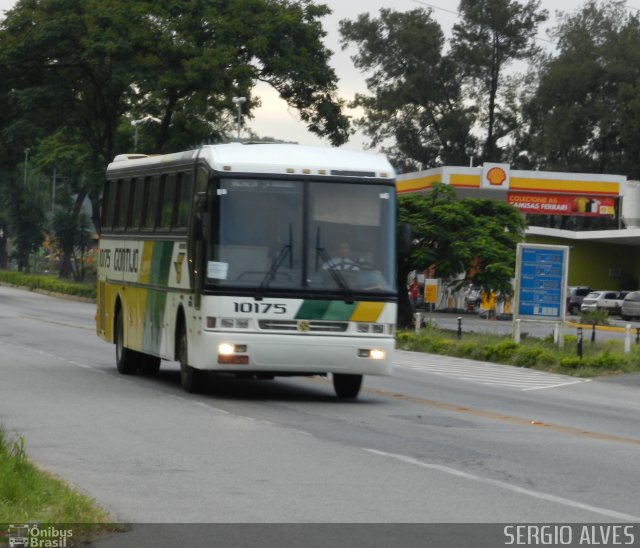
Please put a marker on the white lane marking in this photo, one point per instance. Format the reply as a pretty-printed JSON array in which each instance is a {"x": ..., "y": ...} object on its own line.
[
  {"x": 613, "y": 514},
  {"x": 504, "y": 376}
]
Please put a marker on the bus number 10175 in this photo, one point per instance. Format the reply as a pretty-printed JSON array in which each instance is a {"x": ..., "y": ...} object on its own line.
[{"x": 259, "y": 308}]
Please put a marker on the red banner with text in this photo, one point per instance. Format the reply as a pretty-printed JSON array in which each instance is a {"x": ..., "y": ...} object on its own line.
[{"x": 558, "y": 204}]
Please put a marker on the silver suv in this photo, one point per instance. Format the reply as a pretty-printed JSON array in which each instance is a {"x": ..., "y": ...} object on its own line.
[
  {"x": 575, "y": 295},
  {"x": 631, "y": 306}
]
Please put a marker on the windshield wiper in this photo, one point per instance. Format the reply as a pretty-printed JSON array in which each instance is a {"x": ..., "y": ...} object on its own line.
[
  {"x": 335, "y": 273},
  {"x": 286, "y": 251}
]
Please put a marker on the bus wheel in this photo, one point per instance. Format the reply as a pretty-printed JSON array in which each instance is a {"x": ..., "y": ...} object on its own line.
[
  {"x": 125, "y": 358},
  {"x": 192, "y": 379},
  {"x": 347, "y": 386},
  {"x": 148, "y": 365}
]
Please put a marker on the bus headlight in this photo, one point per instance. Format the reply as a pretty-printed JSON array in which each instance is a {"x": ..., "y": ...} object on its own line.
[
  {"x": 372, "y": 353},
  {"x": 227, "y": 348},
  {"x": 233, "y": 353}
]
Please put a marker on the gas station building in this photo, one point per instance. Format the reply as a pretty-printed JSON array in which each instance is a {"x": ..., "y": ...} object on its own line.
[{"x": 602, "y": 259}]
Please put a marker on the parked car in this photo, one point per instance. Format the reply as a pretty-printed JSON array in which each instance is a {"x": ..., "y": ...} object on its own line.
[
  {"x": 631, "y": 306},
  {"x": 601, "y": 300},
  {"x": 619, "y": 300},
  {"x": 574, "y": 297}
]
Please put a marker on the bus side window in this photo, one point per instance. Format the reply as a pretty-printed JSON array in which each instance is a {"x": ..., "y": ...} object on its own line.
[
  {"x": 184, "y": 195},
  {"x": 168, "y": 200},
  {"x": 136, "y": 207},
  {"x": 151, "y": 193},
  {"x": 108, "y": 198},
  {"x": 123, "y": 201}
]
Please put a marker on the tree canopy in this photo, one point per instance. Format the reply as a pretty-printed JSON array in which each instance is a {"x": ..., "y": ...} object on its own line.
[
  {"x": 585, "y": 113},
  {"x": 432, "y": 105},
  {"x": 416, "y": 110},
  {"x": 490, "y": 36},
  {"x": 76, "y": 73},
  {"x": 475, "y": 238}
]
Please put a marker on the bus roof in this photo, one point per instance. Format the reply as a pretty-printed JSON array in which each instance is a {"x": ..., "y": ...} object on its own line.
[{"x": 270, "y": 158}]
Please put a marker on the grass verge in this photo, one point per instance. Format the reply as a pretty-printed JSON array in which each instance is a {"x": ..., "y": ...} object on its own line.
[
  {"x": 29, "y": 495},
  {"x": 598, "y": 359},
  {"x": 49, "y": 283}
]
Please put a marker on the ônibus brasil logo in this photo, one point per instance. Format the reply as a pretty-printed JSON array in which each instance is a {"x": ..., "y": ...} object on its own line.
[{"x": 36, "y": 536}]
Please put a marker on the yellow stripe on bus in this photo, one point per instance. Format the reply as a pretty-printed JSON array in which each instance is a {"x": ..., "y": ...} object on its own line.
[
  {"x": 366, "y": 312},
  {"x": 145, "y": 264},
  {"x": 136, "y": 302}
]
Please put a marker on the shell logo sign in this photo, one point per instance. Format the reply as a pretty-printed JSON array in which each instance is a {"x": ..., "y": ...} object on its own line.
[{"x": 495, "y": 176}]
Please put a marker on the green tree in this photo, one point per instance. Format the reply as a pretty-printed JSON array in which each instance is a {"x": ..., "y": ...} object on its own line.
[
  {"x": 466, "y": 240},
  {"x": 491, "y": 35},
  {"x": 585, "y": 113},
  {"x": 416, "y": 100},
  {"x": 68, "y": 223},
  {"x": 26, "y": 221},
  {"x": 87, "y": 68}
]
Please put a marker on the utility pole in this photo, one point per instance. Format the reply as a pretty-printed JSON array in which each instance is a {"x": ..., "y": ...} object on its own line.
[{"x": 238, "y": 102}]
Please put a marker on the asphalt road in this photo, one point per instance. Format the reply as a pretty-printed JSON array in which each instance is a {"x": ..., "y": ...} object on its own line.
[{"x": 442, "y": 441}]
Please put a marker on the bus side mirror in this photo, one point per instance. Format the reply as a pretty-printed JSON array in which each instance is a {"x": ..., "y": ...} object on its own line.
[
  {"x": 198, "y": 218},
  {"x": 404, "y": 238},
  {"x": 198, "y": 226},
  {"x": 201, "y": 201}
]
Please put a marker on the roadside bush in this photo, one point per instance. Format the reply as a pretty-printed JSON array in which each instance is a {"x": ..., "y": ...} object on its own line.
[
  {"x": 570, "y": 362},
  {"x": 442, "y": 346},
  {"x": 603, "y": 358},
  {"x": 469, "y": 349},
  {"x": 530, "y": 356},
  {"x": 48, "y": 283},
  {"x": 501, "y": 351},
  {"x": 597, "y": 317},
  {"x": 606, "y": 360}
]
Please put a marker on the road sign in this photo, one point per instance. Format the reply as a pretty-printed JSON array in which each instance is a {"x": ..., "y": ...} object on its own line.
[{"x": 541, "y": 281}]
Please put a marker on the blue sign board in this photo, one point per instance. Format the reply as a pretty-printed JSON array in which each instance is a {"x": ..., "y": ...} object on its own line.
[{"x": 541, "y": 281}]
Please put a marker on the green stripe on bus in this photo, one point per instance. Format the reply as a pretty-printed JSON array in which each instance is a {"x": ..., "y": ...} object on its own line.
[
  {"x": 339, "y": 311},
  {"x": 312, "y": 310},
  {"x": 161, "y": 263},
  {"x": 153, "y": 321},
  {"x": 325, "y": 310}
]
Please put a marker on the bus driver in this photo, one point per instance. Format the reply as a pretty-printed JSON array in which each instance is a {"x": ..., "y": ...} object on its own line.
[{"x": 342, "y": 261}]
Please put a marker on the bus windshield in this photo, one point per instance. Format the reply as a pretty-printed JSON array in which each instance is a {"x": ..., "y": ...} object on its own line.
[{"x": 301, "y": 235}]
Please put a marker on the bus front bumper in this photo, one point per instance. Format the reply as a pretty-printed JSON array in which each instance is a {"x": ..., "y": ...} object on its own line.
[{"x": 293, "y": 354}]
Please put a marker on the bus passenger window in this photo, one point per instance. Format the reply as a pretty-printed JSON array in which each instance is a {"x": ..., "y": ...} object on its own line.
[
  {"x": 152, "y": 189},
  {"x": 184, "y": 200},
  {"x": 168, "y": 200},
  {"x": 136, "y": 207},
  {"x": 108, "y": 205},
  {"x": 123, "y": 202}
]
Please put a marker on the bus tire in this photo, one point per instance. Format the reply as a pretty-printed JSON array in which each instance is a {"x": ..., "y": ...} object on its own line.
[
  {"x": 192, "y": 379},
  {"x": 347, "y": 386},
  {"x": 148, "y": 365},
  {"x": 125, "y": 357}
]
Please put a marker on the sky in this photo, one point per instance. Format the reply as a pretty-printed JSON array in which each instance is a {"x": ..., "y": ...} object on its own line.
[{"x": 275, "y": 119}]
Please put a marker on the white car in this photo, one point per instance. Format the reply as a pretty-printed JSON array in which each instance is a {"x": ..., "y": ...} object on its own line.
[{"x": 602, "y": 300}]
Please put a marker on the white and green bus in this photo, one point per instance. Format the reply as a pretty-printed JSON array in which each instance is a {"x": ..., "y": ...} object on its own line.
[{"x": 233, "y": 259}]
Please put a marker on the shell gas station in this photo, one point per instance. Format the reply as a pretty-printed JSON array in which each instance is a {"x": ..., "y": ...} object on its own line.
[{"x": 601, "y": 259}]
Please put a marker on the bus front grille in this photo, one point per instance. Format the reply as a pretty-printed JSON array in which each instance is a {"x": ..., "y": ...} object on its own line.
[{"x": 303, "y": 326}]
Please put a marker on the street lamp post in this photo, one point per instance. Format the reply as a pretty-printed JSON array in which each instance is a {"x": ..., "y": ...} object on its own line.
[
  {"x": 26, "y": 162},
  {"x": 238, "y": 102},
  {"x": 136, "y": 123}
]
